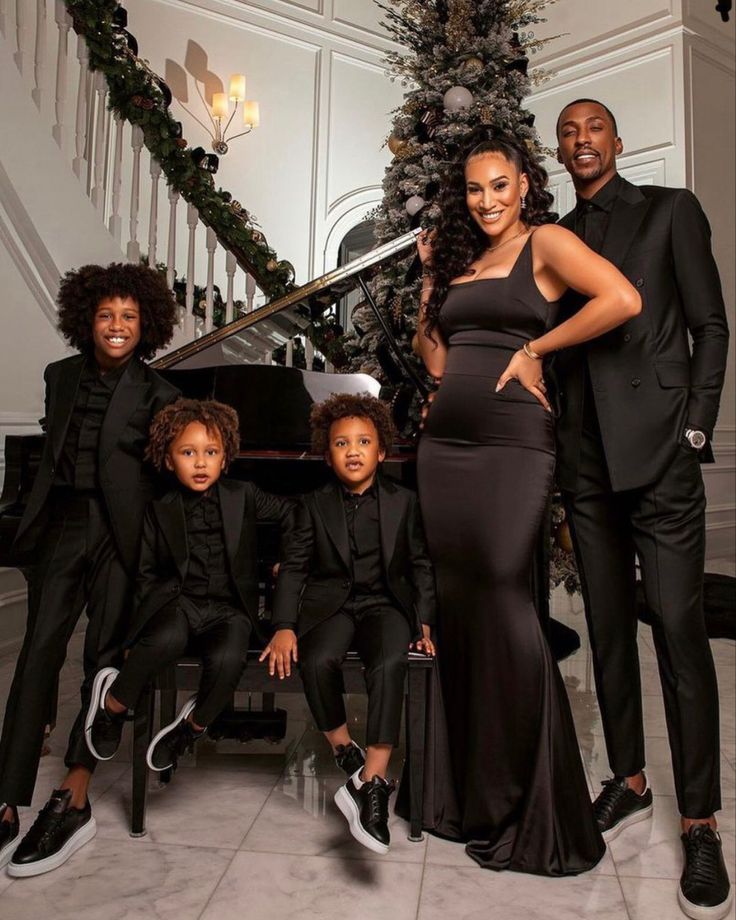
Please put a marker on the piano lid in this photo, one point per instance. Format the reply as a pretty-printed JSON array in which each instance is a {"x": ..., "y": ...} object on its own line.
[{"x": 247, "y": 339}]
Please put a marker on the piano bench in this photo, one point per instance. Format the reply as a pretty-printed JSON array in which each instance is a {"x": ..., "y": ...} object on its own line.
[{"x": 185, "y": 674}]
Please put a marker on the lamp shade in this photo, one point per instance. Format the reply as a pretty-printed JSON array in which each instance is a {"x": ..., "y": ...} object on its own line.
[
  {"x": 251, "y": 113},
  {"x": 219, "y": 105},
  {"x": 237, "y": 87}
]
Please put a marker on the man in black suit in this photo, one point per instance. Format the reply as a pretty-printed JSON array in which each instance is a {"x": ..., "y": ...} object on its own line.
[
  {"x": 197, "y": 586},
  {"x": 82, "y": 524},
  {"x": 638, "y": 409},
  {"x": 355, "y": 574}
]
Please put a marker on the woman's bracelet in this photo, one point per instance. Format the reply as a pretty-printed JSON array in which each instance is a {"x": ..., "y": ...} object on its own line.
[{"x": 530, "y": 353}]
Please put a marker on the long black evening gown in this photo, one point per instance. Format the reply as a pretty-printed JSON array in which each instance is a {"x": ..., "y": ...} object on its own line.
[{"x": 485, "y": 469}]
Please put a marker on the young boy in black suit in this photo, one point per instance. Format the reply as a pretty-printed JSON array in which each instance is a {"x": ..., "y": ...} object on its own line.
[
  {"x": 83, "y": 522},
  {"x": 197, "y": 587},
  {"x": 355, "y": 574}
]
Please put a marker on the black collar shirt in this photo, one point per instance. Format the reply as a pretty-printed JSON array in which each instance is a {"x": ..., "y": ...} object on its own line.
[
  {"x": 592, "y": 215},
  {"x": 77, "y": 467},
  {"x": 364, "y": 536},
  {"x": 208, "y": 572}
]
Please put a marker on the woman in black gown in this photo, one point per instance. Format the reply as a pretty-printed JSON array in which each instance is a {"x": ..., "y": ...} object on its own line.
[{"x": 493, "y": 275}]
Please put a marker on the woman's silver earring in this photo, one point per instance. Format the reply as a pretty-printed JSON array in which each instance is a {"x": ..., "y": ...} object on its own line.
[{"x": 523, "y": 203}]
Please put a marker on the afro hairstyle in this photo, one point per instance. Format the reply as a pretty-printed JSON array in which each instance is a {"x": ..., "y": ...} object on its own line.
[
  {"x": 170, "y": 421},
  {"x": 350, "y": 405}
]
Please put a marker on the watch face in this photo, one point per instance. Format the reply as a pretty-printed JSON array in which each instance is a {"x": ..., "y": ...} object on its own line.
[{"x": 697, "y": 439}]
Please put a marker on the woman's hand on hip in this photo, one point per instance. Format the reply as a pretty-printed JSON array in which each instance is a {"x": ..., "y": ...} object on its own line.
[{"x": 528, "y": 371}]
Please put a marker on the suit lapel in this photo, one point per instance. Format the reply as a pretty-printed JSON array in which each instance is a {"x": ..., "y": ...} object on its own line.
[
  {"x": 64, "y": 397},
  {"x": 125, "y": 399},
  {"x": 628, "y": 212},
  {"x": 232, "y": 509},
  {"x": 390, "y": 511},
  {"x": 330, "y": 504},
  {"x": 171, "y": 520}
]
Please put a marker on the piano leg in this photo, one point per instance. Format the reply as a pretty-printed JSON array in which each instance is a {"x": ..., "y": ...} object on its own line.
[
  {"x": 142, "y": 734},
  {"x": 416, "y": 705}
]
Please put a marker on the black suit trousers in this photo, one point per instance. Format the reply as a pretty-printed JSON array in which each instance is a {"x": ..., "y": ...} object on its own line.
[
  {"x": 381, "y": 637},
  {"x": 78, "y": 566},
  {"x": 168, "y": 636},
  {"x": 663, "y": 525}
]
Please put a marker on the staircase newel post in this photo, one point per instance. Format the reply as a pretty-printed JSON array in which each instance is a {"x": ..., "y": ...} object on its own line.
[
  {"x": 63, "y": 23},
  {"x": 115, "y": 224},
  {"x": 189, "y": 322},
  {"x": 155, "y": 172},
  {"x": 81, "y": 117},
  {"x": 211, "y": 244},
  {"x": 133, "y": 251},
  {"x": 231, "y": 264},
  {"x": 39, "y": 52}
]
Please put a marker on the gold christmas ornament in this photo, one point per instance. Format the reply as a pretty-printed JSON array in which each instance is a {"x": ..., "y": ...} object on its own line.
[
  {"x": 396, "y": 144},
  {"x": 272, "y": 265},
  {"x": 472, "y": 67}
]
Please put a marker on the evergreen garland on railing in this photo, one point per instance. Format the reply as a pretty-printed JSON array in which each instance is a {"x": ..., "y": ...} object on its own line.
[{"x": 141, "y": 97}]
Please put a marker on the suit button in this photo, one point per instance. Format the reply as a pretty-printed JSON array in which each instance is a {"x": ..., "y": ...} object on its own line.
[
  {"x": 640, "y": 282},
  {"x": 627, "y": 337},
  {"x": 635, "y": 382},
  {"x": 346, "y": 584},
  {"x": 175, "y": 589}
]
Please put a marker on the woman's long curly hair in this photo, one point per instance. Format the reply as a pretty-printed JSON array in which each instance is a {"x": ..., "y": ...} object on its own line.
[
  {"x": 459, "y": 241},
  {"x": 82, "y": 291},
  {"x": 170, "y": 421}
]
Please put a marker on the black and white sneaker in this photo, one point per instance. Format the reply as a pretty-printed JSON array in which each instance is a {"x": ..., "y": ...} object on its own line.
[
  {"x": 705, "y": 891},
  {"x": 9, "y": 834},
  {"x": 349, "y": 757},
  {"x": 365, "y": 807},
  {"x": 618, "y": 807},
  {"x": 173, "y": 740},
  {"x": 102, "y": 729},
  {"x": 57, "y": 833}
]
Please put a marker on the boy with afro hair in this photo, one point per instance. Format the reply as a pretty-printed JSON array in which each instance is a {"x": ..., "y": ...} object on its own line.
[
  {"x": 83, "y": 525},
  {"x": 355, "y": 575},
  {"x": 197, "y": 586}
]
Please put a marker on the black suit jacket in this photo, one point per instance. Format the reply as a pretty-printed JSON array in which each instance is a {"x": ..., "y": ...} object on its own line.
[
  {"x": 315, "y": 578},
  {"x": 648, "y": 384},
  {"x": 164, "y": 554},
  {"x": 127, "y": 483}
]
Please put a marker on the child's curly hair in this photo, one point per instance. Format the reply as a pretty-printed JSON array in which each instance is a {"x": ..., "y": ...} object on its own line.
[
  {"x": 350, "y": 405},
  {"x": 82, "y": 291},
  {"x": 169, "y": 423}
]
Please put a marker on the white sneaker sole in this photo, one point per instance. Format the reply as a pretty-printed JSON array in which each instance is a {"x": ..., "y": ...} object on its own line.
[
  {"x": 347, "y": 806},
  {"x": 102, "y": 682},
  {"x": 74, "y": 843},
  {"x": 698, "y": 912},
  {"x": 186, "y": 710},
  {"x": 632, "y": 819},
  {"x": 7, "y": 851}
]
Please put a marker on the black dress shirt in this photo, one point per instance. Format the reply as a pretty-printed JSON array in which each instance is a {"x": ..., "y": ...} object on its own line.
[
  {"x": 592, "y": 215},
  {"x": 77, "y": 467},
  {"x": 208, "y": 575},
  {"x": 364, "y": 536}
]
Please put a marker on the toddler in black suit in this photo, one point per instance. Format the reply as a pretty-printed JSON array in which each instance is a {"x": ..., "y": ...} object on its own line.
[
  {"x": 355, "y": 575},
  {"x": 197, "y": 588}
]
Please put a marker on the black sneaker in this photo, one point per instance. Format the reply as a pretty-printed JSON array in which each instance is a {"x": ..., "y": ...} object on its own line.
[
  {"x": 705, "y": 891},
  {"x": 173, "y": 740},
  {"x": 349, "y": 757},
  {"x": 9, "y": 834},
  {"x": 618, "y": 807},
  {"x": 57, "y": 832},
  {"x": 366, "y": 811},
  {"x": 102, "y": 729}
]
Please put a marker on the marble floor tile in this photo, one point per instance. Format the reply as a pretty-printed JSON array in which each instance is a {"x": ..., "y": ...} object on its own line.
[
  {"x": 202, "y": 807},
  {"x": 105, "y": 880},
  {"x": 300, "y": 816},
  {"x": 277, "y": 887},
  {"x": 475, "y": 894},
  {"x": 652, "y": 848},
  {"x": 655, "y": 899}
]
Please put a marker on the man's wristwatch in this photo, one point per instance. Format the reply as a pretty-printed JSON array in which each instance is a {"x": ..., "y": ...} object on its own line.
[{"x": 695, "y": 438}]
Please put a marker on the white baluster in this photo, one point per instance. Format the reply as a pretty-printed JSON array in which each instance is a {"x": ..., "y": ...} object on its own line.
[
  {"x": 2, "y": 18},
  {"x": 231, "y": 263},
  {"x": 268, "y": 357},
  {"x": 136, "y": 140},
  {"x": 81, "y": 121},
  {"x": 39, "y": 51},
  {"x": 329, "y": 368},
  {"x": 63, "y": 23},
  {"x": 250, "y": 292},
  {"x": 153, "y": 215},
  {"x": 20, "y": 30},
  {"x": 192, "y": 221},
  {"x": 309, "y": 353},
  {"x": 171, "y": 250},
  {"x": 116, "y": 223},
  {"x": 98, "y": 142},
  {"x": 290, "y": 353},
  {"x": 209, "y": 311}
]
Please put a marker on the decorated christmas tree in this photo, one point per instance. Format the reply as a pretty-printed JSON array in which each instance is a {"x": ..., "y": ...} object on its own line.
[{"x": 465, "y": 69}]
